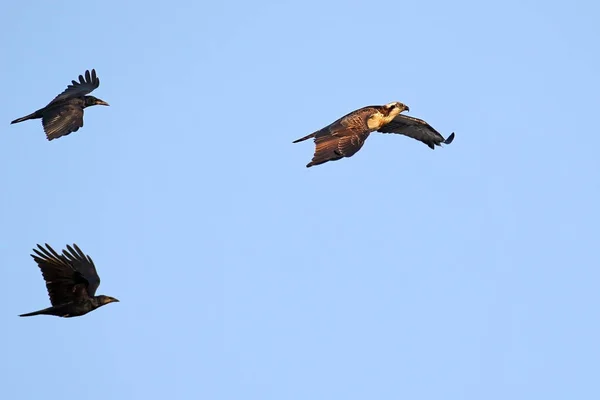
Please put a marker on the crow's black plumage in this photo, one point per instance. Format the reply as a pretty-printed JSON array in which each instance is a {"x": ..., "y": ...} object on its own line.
[
  {"x": 71, "y": 281},
  {"x": 64, "y": 114}
]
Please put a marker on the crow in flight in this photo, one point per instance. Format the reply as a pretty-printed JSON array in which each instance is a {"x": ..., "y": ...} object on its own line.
[
  {"x": 71, "y": 281},
  {"x": 64, "y": 114}
]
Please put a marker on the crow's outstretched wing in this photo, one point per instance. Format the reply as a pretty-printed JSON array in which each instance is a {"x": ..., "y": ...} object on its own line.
[{"x": 77, "y": 89}]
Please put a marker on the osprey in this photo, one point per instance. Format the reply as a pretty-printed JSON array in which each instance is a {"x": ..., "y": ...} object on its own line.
[
  {"x": 64, "y": 114},
  {"x": 71, "y": 281},
  {"x": 346, "y": 136}
]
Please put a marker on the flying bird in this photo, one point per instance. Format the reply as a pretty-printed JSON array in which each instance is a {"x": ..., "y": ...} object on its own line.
[
  {"x": 64, "y": 114},
  {"x": 346, "y": 136},
  {"x": 71, "y": 281}
]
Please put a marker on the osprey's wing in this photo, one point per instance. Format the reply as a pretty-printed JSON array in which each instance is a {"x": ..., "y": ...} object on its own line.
[
  {"x": 63, "y": 282},
  {"x": 77, "y": 89},
  {"x": 85, "y": 266},
  {"x": 62, "y": 120},
  {"x": 417, "y": 129},
  {"x": 342, "y": 138},
  {"x": 331, "y": 147},
  {"x": 354, "y": 123}
]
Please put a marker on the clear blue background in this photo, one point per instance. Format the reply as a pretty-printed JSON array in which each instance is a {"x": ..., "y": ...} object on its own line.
[{"x": 468, "y": 272}]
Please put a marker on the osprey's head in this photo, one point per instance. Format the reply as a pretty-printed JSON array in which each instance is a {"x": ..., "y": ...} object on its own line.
[{"x": 395, "y": 108}]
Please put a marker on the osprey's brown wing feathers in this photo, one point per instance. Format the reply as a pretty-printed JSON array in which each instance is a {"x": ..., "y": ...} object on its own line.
[
  {"x": 342, "y": 138},
  {"x": 349, "y": 145},
  {"x": 333, "y": 147},
  {"x": 417, "y": 129},
  {"x": 325, "y": 150},
  {"x": 350, "y": 124}
]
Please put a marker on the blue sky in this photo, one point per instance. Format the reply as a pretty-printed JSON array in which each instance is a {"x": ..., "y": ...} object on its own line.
[{"x": 467, "y": 272}]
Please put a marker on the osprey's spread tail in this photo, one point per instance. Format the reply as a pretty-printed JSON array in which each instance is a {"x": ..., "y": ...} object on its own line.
[{"x": 33, "y": 115}]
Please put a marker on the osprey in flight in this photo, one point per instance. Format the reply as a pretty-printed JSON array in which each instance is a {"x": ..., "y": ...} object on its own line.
[
  {"x": 64, "y": 114},
  {"x": 71, "y": 281},
  {"x": 346, "y": 136}
]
